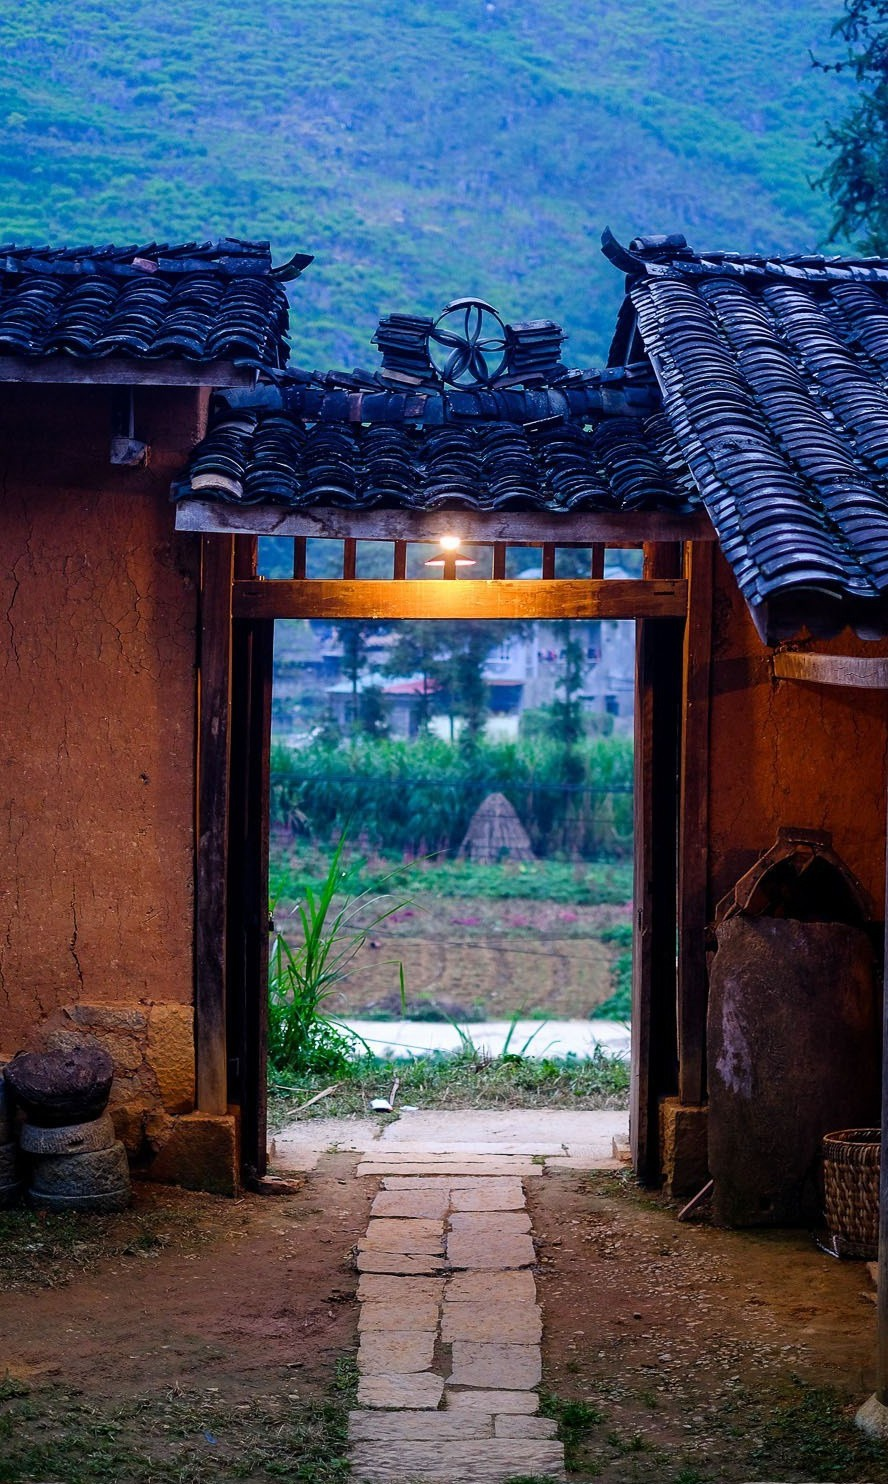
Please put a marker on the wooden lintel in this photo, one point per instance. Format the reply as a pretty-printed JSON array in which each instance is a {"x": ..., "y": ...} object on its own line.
[
  {"x": 512, "y": 598},
  {"x": 116, "y": 371},
  {"x": 860, "y": 671},
  {"x": 516, "y": 527}
]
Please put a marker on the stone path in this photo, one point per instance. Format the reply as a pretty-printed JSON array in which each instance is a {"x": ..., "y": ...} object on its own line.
[{"x": 449, "y": 1358}]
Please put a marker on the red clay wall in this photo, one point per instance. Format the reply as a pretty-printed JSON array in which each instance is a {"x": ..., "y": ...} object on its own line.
[
  {"x": 787, "y": 753},
  {"x": 98, "y": 609}
]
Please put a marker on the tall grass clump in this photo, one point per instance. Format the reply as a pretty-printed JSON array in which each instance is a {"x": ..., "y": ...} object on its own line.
[{"x": 302, "y": 1038}]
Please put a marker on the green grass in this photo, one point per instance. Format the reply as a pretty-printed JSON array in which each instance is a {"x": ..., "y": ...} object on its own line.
[
  {"x": 569, "y": 883},
  {"x": 174, "y": 1436},
  {"x": 466, "y": 1080}
]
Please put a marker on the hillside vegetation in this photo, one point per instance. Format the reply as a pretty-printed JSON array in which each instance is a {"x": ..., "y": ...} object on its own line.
[{"x": 421, "y": 151}]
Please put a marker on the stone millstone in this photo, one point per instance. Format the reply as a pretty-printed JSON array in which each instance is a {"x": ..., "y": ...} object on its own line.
[
  {"x": 72, "y": 1138},
  {"x": 61, "y": 1087},
  {"x": 81, "y": 1178}
]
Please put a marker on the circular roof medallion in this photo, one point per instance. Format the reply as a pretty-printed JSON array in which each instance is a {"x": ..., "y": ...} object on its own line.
[{"x": 467, "y": 345}]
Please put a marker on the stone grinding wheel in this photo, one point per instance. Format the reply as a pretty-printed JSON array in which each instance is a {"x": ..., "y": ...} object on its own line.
[{"x": 56, "y": 1088}]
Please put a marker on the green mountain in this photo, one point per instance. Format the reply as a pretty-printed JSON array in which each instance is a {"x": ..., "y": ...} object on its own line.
[{"x": 422, "y": 151}]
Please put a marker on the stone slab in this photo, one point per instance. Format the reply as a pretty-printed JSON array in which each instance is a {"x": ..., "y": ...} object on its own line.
[
  {"x": 493, "y": 1223},
  {"x": 402, "y": 1392},
  {"x": 485, "y": 1461},
  {"x": 499, "y": 1403},
  {"x": 507, "y": 1130},
  {"x": 385, "y": 1288},
  {"x": 503, "y": 1367},
  {"x": 582, "y": 1162},
  {"x": 492, "y": 1322},
  {"x": 300, "y": 1145},
  {"x": 485, "y": 1250},
  {"x": 514, "y": 1286},
  {"x": 405, "y": 1263},
  {"x": 472, "y": 1181},
  {"x": 378, "y": 1169},
  {"x": 396, "y": 1315},
  {"x": 395, "y": 1352},
  {"x": 418, "y": 1235},
  {"x": 489, "y": 1195},
  {"x": 411, "y": 1203},
  {"x": 513, "y": 1425},
  {"x": 423, "y": 1427}
]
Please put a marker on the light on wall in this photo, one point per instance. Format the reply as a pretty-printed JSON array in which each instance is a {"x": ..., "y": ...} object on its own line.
[{"x": 451, "y": 557}]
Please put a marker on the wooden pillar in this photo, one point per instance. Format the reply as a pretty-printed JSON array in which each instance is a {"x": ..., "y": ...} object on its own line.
[
  {"x": 654, "y": 1033},
  {"x": 213, "y": 772},
  {"x": 694, "y": 826}
]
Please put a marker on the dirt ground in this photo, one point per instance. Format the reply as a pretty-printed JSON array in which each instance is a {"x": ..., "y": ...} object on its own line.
[
  {"x": 484, "y": 960},
  {"x": 184, "y": 1341}
]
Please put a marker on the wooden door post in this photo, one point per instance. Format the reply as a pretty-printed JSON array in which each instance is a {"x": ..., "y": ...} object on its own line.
[{"x": 213, "y": 772}]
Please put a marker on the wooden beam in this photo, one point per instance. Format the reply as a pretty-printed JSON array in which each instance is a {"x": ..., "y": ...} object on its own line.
[
  {"x": 513, "y": 598},
  {"x": 859, "y": 671},
  {"x": 516, "y": 528},
  {"x": 116, "y": 371},
  {"x": 214, "y": 710},
  {"x": 693, "y": 851}
]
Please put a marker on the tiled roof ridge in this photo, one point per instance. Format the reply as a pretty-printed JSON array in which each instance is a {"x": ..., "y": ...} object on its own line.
[
  {"x": 671, "y": 257},
  {"x": 233, "y": 257},
  {"x": 364, "y": 397}
]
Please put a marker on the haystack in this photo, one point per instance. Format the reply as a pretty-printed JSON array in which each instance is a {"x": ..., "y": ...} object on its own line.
[{"x": 496, "y": 834}]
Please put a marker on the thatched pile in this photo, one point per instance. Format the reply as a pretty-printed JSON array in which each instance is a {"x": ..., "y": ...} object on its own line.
[{"x": 495, "y": 834}]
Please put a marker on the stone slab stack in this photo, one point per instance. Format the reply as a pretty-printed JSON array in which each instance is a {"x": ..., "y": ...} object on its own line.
[
  {"x": 10, "y": 1175},
  {"x": 76, "y": 1161}
]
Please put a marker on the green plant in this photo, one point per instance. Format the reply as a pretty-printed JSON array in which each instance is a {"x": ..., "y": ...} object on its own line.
[{"x": 301, "y": 1037}]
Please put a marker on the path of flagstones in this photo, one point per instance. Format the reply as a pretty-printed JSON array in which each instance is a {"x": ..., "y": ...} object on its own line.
[{"x": 449, "y": 1357}]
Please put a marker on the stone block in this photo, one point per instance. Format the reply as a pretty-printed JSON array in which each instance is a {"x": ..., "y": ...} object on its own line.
[
  {"x": 513, "y": 1286},
  {"x": 395, "y": 1352},
  {"x": 683, "y": 1146},
  {"x": 420, "y": 1427},
  {"x": 405, "y": 1263},
  {"x": 385, "y": 1288},
  {"x": 201, "y": 1154},
  {"x": 501, "y": 1367},
  {"x": 483, "y": 1461},
  {"x": 408, "y": 1392},
  {"x": 397, "y": 1315},
  {"x": 490, "y": 1223},
  {"x": 484, "y": 1250},
  {"x": 489, "y": 1195},
  {"x": 419, "y": 1236},
  {"x": 496, "y": 1402},
  {"x": 492, "y": 1321},
  {"x": 405, "y": 1203},
  {"x": 514, "y": 1425},
  {"x": 171, "y": 1054}
]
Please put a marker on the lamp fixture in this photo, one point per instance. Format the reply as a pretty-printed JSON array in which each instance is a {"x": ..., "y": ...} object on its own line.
[{"x": 451, "y": 557}]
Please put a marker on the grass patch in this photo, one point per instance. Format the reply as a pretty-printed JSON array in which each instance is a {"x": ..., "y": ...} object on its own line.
[
  {"x": 810, "y": 1430},
  {"x": 42, "y": 1251},
  {"x": 576, "y": 1420},
  {"x": 465, "y": 1080},
  {"x": 176, "y": 1437},
  {"x": 577, "y": 883}
]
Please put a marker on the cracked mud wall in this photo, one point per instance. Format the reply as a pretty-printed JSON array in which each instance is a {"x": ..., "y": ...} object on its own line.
[
  {"x": 98, "y": 611},
  {"x": 788, "y": 753}
]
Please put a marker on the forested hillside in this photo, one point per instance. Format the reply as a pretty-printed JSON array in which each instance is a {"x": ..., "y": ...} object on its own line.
[{"x": 420, "y": 150}]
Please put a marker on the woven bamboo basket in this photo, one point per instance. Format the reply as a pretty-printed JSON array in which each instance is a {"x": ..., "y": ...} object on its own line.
[{"x": 851, "y": 1190}]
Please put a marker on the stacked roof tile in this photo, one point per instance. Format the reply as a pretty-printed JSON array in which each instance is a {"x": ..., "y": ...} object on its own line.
[
  {"x": 774, "y": 375},
  {"x": 254, "y": 455},
  {"x": 201, "y": 302}
]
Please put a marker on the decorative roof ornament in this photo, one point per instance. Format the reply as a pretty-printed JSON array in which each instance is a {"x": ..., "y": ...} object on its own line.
[{"x": 469, "y": 347}]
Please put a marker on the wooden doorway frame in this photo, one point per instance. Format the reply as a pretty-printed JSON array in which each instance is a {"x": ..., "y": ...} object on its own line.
[{"x": 672, "y": 607}]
